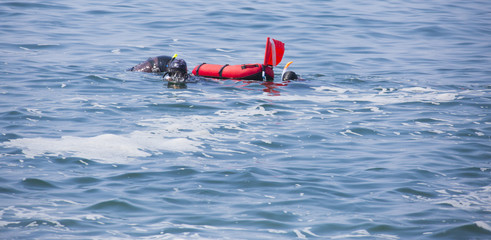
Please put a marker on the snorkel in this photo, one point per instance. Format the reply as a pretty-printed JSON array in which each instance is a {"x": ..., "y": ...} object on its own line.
[
  {"x": 171, "y": 60},
  {"x": 284, "y": 70}
]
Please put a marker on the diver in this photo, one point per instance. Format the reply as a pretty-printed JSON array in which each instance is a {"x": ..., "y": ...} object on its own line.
[{"x": 174, "y": 69}]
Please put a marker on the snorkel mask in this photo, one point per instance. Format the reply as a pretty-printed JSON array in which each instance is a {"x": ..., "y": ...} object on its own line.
[{"x": 178, "y": 70}]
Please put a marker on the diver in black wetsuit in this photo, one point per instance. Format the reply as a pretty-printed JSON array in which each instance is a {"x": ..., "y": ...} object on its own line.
[{"x": 174, "y": 69}]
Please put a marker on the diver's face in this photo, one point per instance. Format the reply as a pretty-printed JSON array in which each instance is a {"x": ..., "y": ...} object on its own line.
[{"x": 178, "y": 76}]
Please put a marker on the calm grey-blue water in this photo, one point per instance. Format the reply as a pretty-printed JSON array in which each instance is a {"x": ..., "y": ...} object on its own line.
[{"x": 387, "y": 135}]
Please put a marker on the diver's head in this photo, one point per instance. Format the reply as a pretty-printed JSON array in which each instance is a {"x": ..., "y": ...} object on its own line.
[
  {"x": 289, "y": 75},
  {"x": 178, "y": 70}
]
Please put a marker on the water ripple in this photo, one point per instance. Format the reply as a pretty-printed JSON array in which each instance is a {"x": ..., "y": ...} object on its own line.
[{"x": 37, "y": 184}]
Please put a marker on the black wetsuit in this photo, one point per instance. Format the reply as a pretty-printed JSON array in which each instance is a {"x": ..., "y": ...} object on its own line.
[{"x": 158, "y": 64}]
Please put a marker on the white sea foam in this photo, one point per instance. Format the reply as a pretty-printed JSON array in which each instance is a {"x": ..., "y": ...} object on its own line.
[
  {"x": 330, "y": 88},
  {"x": 39, "y": 213},
  {"x": 467, "y": 200},
  {"x": 94, "y": 217},
  {"x": 416, "y": 89},
  {"x": 224, "y": 50},
  {"x": 34, "y": 111},
  {"x": 480, "y": 134},
  {"x": 299, "y": 234},
  {"x": 483, "y": 225},
  {"x": 107, "y": 148},
  {"x": 166, "y": 134},
  {"x": 326, "y": 94},
  {"x": 365, "y": 234},
  {"x": 5, "y": 223}
]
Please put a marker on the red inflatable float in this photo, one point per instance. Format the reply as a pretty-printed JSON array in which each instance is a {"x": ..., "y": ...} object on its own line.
[
  {"x": 256, "y": 71},
  {"x": 244, "y": 71}
]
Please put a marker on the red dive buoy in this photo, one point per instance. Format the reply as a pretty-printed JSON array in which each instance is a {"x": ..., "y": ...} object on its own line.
[
  {"x": 244, "y": 71},
  {"x": 256, "y": 71}
]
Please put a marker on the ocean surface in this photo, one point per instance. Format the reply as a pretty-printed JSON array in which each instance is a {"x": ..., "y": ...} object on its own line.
[{"x": 386, "y": 136}]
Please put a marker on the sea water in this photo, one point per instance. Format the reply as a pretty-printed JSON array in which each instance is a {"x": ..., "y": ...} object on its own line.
[{"x": 386, "y": 135}]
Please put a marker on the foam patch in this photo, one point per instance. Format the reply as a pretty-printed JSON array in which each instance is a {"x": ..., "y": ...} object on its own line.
[
  {"x": 166, "y": 134},
  {"x": 106, "y": 148}
]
